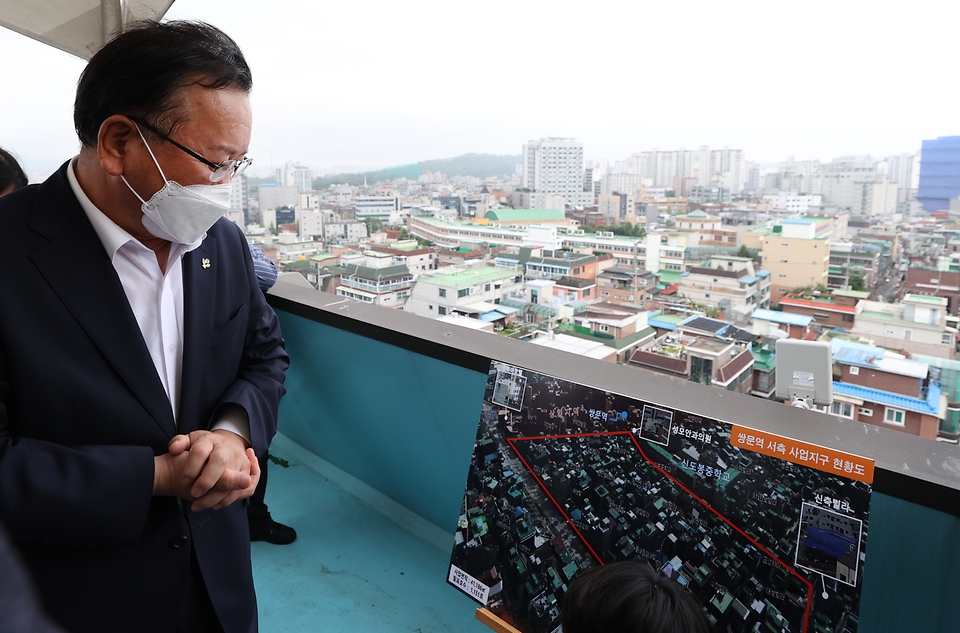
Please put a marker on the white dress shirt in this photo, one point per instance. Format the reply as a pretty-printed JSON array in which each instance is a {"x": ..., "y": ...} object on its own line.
[{"x": 157, "y": 302}]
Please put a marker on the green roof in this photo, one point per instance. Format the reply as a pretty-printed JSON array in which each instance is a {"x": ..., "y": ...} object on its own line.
[
  {"x": 924, "y": 299},
  {"x": 525, "y": 215},
  {"x": 670, "y": 276},
  {"x": 764, "y": 359},
  {"x": 469, "y": 278},
  {"x": 856, "y": 294}
]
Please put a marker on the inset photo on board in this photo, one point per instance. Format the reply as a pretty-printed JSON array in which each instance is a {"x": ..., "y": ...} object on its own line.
[
  {"x": 509, "y": 388},
  {"x": 828, "y": 543},
  {"x": 655, "y": 424}
]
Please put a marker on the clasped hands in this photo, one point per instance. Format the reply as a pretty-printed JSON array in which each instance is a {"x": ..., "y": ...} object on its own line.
[{"x": 212, "y": 469}]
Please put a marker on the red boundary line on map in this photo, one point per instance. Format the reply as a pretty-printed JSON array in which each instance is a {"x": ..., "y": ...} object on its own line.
[{"x": 760, "y": 547}]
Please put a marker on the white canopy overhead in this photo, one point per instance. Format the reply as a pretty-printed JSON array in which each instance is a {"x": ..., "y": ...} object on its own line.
[{"x": 79, "y": 27}]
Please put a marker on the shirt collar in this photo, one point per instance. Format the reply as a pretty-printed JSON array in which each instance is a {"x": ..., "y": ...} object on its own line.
[{"x": 111, "y": 235}]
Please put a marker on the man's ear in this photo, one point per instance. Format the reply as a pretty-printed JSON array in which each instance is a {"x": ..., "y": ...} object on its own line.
[{"x": 114, "y": 142}]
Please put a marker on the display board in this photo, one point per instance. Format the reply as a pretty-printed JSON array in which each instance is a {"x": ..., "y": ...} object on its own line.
[{"x": 769, "y": 533}]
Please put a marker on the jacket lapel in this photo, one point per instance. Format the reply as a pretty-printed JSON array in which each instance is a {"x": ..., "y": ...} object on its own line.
[
  {"x": 200, "y": 271},
  {"x": 76, "y": 266}
]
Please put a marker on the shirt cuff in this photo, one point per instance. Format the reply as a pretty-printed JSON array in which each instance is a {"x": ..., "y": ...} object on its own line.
[{"x": 234, "y": 418}]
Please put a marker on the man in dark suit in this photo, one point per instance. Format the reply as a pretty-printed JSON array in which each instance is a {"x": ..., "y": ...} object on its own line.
[{"x": 140, "y": 366}]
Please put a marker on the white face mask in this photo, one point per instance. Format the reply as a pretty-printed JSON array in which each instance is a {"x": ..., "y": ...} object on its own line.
[{"x": 182, "y": 214}]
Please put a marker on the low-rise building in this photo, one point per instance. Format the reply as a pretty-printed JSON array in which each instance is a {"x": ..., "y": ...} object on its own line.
[
  {"x": 917, "y": 325},
  {"x": 874, "y": 386},
  {"x": 388, "y": 286},
  {"x": 797, "y": 326},
  {"x": 703, "y": 350},
  {"x": 836, "y": 309},
  {"x": 440, "y": 294},
  {"x": 620, "y": 284}
]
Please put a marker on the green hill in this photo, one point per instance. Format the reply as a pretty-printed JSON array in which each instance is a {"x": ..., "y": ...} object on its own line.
[{"x": 477, "y": 165}]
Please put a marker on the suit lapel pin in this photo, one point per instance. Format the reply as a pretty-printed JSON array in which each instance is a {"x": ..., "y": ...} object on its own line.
[{"x": 205, "y": 262}]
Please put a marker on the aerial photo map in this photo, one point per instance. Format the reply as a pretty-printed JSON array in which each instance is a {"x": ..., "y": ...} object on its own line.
[{"x": 767, "y": 532}]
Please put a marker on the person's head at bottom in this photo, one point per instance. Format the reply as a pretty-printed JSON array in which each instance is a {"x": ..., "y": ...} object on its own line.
[
  {"x": 630, "y": 597},
  {"x": 11, "y": 174}
]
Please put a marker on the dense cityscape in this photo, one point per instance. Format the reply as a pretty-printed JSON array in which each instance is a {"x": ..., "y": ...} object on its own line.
[{"x": 690, "y": 263}]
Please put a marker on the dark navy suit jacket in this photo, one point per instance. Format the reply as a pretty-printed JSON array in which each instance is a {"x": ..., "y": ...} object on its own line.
[{"x": 83, "y": 413}]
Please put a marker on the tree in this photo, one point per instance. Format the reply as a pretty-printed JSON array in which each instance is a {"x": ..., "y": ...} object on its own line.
[
  {"x": 272, "y": 228},
  {"x": 857, "y": 282},
  {"x": 373, "y": 225}
]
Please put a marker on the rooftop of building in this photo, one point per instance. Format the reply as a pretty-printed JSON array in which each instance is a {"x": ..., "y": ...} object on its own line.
[
  {"x": 939, "y": 301},
  {"x": 825, "y": 302},
  {"x": 524, "y": 215},
  {"x": 849, "y": 352},
  {"x": 373, "y": 274},
  {"x": 575, "y": 282},
  {"x": 470, "y": 277},
  {"x": 764, "y": 358},
  {"x": 786, "y": 318},
  {"x": 856, "y": 294}
]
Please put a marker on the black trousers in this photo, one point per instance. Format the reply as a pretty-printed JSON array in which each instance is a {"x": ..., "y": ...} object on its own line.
[{"x": 257, "y": 512}]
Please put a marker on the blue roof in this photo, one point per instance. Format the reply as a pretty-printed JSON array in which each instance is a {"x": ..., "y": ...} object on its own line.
[
  {"x": 787, "y": 318},
  {"x": 749, "y": 279},
  {"x": 506, "y": 259},
  {"x": 663, "y": 325},
  {"x": 763, "y": 272},
  {"x": 798, "y": 221},
  {"x": 930, "y": 406},
  {"x": 854, "y": 353},
  {"x": 491, "y": 316}
]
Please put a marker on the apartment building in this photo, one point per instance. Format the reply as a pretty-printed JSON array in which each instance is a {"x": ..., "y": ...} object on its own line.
[
  {"x": 727, "y": 283},
  {"x": 795, "y": 256}
]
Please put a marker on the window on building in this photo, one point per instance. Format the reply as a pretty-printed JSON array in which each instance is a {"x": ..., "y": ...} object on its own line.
[
  {"x": 848, "y": 318},
  {"x": 431, "y": 307},
  {"x": 854, "y": 370},
  {"x": 586, "y": 292},
  {"x": 443, "y": 292},
  {"x": 908, "y": 335},
  {"x": 893, "y": 416},
  {"x": 843, "y": 409},
  {"x": 441, "y": 310},
  {"x": 463, "y": 292},
  {"x": 486, "y": 288},
  {"x": 604, "y": 328},
  {"x": 866, "y": 412},
  {"x": 947, "y": 338}
]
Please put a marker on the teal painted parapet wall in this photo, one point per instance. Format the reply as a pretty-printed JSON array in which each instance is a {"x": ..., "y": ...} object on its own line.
[{"x": 401, "y": 422}]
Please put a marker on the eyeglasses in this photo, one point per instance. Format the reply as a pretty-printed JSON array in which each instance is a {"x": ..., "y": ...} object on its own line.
[{"x": 221, "y": 170}]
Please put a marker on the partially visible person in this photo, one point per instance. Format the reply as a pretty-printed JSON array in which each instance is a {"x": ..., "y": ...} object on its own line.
[
  {"x": 262, "y": 525},
  {"x": 139, "y": 383},
  {"x": 630, "y": 597},
  {"x": 11, "y": 174}
]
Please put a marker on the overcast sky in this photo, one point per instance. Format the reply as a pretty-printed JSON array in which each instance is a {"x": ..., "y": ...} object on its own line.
[{"x": 377, "y": 83}]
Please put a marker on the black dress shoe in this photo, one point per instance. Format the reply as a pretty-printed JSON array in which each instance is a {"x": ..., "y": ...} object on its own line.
[{"x": 272, "y": 532}]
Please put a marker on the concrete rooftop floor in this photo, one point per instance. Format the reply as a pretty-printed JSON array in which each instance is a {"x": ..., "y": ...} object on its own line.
[{"x": 352, "y": 567}]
